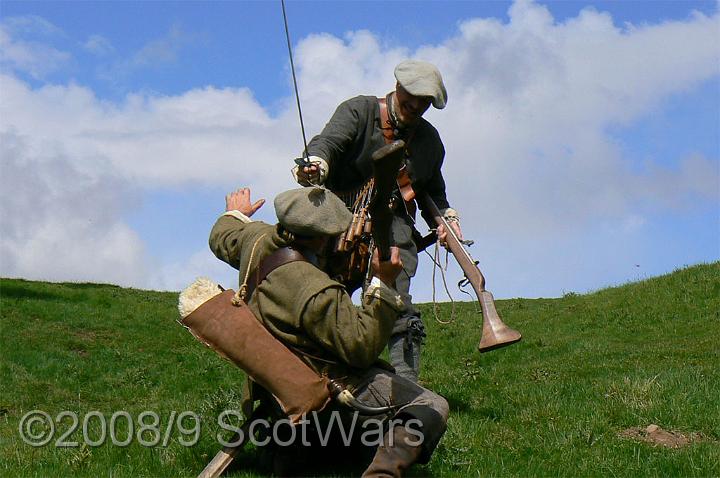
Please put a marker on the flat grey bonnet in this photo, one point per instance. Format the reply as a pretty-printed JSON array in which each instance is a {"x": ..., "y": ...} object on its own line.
[
  {"x": 312, "y": 211},
  {"x": 421, "y": 78}
]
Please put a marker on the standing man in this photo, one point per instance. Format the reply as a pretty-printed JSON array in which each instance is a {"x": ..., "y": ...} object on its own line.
[
  {"x": 340, "y": 159},
  {"x": 314, "y": 316}
]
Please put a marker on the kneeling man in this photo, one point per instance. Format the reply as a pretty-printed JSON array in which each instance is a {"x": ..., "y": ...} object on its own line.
[{"x": 315, "y": 317}]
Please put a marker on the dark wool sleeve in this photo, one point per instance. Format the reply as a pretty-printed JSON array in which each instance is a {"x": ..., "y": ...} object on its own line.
[
  {"x": 339, "y": 134},
  {"x": 429, "y": 177},
  {"x": 436, "y": 184}
]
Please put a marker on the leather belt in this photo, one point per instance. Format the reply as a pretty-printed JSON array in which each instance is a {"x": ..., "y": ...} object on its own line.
[{"x": 282, "y": 256}]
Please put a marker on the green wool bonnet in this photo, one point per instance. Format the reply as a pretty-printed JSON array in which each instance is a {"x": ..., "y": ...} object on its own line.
[{"x": 312, "y": 211}]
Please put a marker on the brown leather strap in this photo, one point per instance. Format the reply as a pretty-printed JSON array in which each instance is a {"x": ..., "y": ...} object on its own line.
[
  {"x": 386, "y": 127},
  {"x": 282, "y": 256}
]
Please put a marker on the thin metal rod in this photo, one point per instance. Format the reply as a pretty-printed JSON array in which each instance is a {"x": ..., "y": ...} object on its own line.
[{"x": 297, "y": 94}]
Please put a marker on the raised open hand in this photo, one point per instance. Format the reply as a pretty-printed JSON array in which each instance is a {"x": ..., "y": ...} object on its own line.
[{"x": 240, "y": 201}]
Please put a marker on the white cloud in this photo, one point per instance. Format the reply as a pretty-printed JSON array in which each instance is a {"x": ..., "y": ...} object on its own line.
[
  {"x": 98, "y": 45},
  {"x": 530, "y": 102},
  {"x": 154, "y": 54},
  {"x": 31, "y": 56},
  {"x": 178, "y": 275},
  {"x": 31, "y": 25},
  {"x": 198, "y": 136},
  {"x": 332, "y": 69},
  {"x": 541, "y": 96},
  {"x": 58, "y": 223},
  {"x": 162, "y": 50}
]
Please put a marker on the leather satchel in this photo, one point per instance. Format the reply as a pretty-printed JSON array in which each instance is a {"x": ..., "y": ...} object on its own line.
[{"x": 227, "y": 325}]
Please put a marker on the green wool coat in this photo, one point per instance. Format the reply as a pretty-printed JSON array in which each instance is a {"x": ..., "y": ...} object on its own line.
[{"x": 300, "y": 305}]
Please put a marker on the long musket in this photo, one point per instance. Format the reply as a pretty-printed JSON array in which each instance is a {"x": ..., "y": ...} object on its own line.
[
  {"x": 386, "y": 162},
  {"x": 495, "y": 333}
]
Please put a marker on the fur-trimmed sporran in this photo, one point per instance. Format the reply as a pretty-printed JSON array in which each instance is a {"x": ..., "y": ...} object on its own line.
[{"x": 234, "y": 333}]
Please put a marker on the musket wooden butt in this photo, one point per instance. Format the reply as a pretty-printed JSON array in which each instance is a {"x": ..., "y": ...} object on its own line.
[{"x": 223, "y": 458}]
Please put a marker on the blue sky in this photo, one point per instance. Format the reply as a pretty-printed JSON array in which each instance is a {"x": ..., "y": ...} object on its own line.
[
  {"x": 582, "y": 137},
  {"x": 232, "y": 43}
]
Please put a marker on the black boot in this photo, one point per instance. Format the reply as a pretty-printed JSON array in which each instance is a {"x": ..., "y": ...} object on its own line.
[{"x": 399, "y": 450}]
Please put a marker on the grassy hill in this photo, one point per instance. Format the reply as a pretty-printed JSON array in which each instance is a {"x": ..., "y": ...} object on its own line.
[{"x": 561, "y": 402}]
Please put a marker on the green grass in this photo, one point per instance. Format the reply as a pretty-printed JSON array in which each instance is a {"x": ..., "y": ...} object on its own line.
[{"x": 589, "y": 367}]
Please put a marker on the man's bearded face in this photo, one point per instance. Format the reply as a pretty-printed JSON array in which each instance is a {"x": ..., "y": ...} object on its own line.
[{"x": 410, "y": 108}]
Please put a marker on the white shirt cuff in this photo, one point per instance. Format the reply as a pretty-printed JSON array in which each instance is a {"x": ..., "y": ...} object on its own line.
[
  {"x": 324, "y": 167},
  {"x": 377, "y": 289},
  {"x": 450, "y": 214},
  {"x": 238, "y": 215}
]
